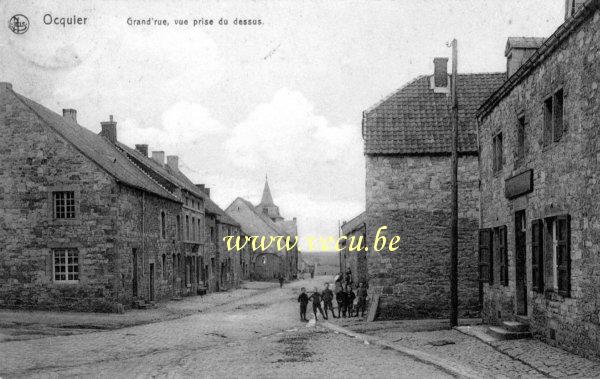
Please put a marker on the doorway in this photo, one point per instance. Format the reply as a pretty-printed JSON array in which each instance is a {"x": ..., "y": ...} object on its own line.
[
  {"x": 520, "y": 262},
  {"x": 151, "y": 281},
  {"x": 135, "y": 273}
]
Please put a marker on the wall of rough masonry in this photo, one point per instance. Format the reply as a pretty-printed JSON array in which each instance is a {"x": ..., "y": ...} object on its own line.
[
  {"x": 34, "y": 162},
  {"x": 138, "y": 227},
  {"x": 566, "y": 180},
  {"x": 411, "y": 196}
]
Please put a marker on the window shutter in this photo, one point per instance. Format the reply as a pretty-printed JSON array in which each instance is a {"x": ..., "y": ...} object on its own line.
[
  {"x": 484, "y": 254},
  {"x": 503, "y": 255},
  {"x": 563, "y": 224},
  {"x": 537, "y": 255}
]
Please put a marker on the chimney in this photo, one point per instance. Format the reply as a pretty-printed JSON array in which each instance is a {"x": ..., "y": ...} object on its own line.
[
  {"x": 173, "y": 162},
  {"x": 142, "y": 148},
  {"x": 5, "y": 86},
  {"x": 159, "y": 157},
  {"x": 70, "y": 114},
  {"x": 440, "y": 72},
  {"x": 518, "y": 50},
  {"x": 109, "y": 130},
  {"x": 571, "y": 7},
  {"x": 200, "y": 187},
  {"x": 207, "y": 191}
]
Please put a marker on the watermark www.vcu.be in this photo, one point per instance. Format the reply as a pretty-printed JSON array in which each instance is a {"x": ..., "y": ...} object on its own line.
[{"x": 287, "y": 243}]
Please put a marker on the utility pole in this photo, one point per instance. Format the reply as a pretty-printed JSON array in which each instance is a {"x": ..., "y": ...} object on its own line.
[{"x": 454, "y": 221}]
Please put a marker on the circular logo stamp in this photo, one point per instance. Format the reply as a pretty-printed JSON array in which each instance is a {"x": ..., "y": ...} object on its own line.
[{"x": 18, "y": 23}]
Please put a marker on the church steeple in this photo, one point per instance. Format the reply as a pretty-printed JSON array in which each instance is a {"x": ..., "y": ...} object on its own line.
[
  {"x": 267, "y": 199},
  {"x": 267, "y": 206}
]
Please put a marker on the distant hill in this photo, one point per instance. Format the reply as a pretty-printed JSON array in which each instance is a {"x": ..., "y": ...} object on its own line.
[{"x": 327, "y": 262}]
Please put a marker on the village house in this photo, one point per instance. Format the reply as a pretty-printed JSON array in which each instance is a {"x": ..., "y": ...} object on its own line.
[
  {"x": 407, "y": 148},
  {"x": 87, "y": 223},
  {"x": 540, "y": 185},
  {"x": 265, "y": 221},
  {"x": 355, "y": 261}
]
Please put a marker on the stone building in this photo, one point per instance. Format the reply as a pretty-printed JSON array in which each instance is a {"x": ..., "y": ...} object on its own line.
[
  {"x": 408, "y": 165},
  {"x": 540, "y": 186},
  {"x": 85, "y": 222},
  {"x": 264, "y": 221},
  {"x": 356, "y": 261}
]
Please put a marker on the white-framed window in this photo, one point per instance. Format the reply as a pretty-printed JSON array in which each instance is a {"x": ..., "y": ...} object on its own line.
[
  {"x": 63, "y": 203},
  {"x": 65, "y": 265}
]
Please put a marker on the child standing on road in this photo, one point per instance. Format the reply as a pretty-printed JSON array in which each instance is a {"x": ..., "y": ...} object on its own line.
[
  {"x": 303, "y": 300},
  {"x": 350, "y": 296},
  {"x": 327, "y": 300},
  {"x": 361, "y": 295},
  {"x": 340, "y": 297},
  {"x": 316, "y": 303}
]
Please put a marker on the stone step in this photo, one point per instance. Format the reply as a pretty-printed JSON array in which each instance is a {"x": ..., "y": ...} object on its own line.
[
  {"x": 503, "y": 334},
  {"x": 515, "y": 326}
]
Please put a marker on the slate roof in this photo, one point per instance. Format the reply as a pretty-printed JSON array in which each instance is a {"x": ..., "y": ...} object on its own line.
[
  {"x": 415, "y": 120},
  {"x": 267, "y": 199},
  {"x": 98, "y": 149},
  {"x": 355, "y": 223},
  {"x": 182, "y": 181},
  {"x": 523, "y": 43},
  {"x": 252, "y": 223},
  {"x": 570, "y": 26}
]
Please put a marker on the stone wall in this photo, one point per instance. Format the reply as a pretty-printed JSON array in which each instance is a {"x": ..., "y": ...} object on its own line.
[
  {"x": 566, "y": 180},
  {"x": 411, "y": 196},
  {"x": 138, "y": 229},
  {"x": 36, "y": 161}
]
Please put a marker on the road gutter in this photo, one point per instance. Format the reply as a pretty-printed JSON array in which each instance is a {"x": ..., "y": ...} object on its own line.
[{"x": 450, "y": 367}]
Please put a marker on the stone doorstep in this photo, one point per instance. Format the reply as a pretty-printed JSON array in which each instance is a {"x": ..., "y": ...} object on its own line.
[
  {"x": 515, "y": 326},
  {"x": 504, "y": 334},
  {"x": 454, "y": 368}
]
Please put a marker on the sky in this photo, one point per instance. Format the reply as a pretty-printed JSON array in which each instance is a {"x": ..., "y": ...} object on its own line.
[{"x": 238, "y": 102}]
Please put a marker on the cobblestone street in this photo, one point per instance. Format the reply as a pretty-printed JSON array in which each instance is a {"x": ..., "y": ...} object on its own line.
[
  {"x": 258, "y": 335},
  {"x": 256, "y": 330}
]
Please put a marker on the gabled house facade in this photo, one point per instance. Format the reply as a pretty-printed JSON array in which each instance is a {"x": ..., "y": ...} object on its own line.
[
  {"x": 87, "y": 223},
  {"x": 540, "y": 158},
  {"x": 264, "y": 221},
  {"x": 407, "y": 140}
]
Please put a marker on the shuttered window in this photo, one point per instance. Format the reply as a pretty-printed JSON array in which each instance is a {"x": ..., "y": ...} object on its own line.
[
  {"x": 485, "y": 241},
  {"x": 563, "y": 251},
  {"x": 537, "y": 255},
  {"x": 502, "y": 254}
]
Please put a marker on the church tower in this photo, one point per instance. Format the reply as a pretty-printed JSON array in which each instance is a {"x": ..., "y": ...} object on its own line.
[{"x": 266, "y": 206}]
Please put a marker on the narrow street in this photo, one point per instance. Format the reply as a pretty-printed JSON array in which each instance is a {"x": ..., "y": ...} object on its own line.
[{"x": 257, "y": 336}]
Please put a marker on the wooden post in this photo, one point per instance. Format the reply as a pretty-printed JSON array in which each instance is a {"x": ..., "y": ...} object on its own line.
[{"x": 454, "y": 218}]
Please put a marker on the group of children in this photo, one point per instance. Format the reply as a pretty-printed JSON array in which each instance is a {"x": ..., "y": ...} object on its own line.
[{"x": 344, "y": 296}]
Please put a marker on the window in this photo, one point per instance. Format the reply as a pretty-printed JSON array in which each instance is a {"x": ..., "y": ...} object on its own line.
[
  {"x": 66, "y": 265},
  {"x": 560, "y": 266},
  {"x": 212, "y": 234},
  {"x": 162, "y": 225},
  {"x": 178, "y": 227},
  {"x": 164, "y": 266},
  {"x": 199, "y": 230},
  {"x": 553, "y": 118},
  {"x": 193, "y": 229},
  {"x": 265, "y": 211},
  {"x": 64, "y": 204},
  {"x": 520, "y": 153},
  {"x": 497, "y": 153},
  {"x": 187, "y": 228},
  {"x": 537, "y": 255}
]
